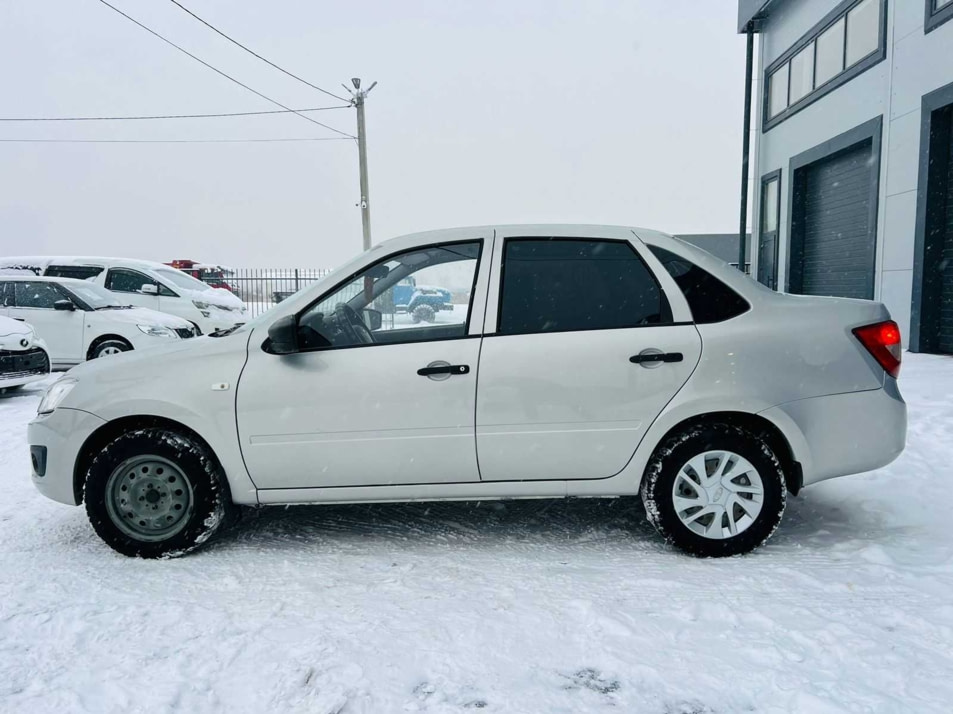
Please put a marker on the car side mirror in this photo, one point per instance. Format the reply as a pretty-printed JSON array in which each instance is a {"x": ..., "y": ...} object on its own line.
[
  {"x": 373, "y": 319},
  {"x": 283, "y": 335},
  {"x": 149, "y": 289},
  {"x": 64, "y": 305}
]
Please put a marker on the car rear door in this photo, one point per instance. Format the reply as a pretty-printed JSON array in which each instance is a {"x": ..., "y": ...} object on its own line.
[{"x": 582, "y": 351}]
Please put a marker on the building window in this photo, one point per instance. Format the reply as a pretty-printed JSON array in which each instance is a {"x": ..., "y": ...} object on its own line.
[
  {"x": 937, "y": 12},
  {"x": 850, "y": 40}
]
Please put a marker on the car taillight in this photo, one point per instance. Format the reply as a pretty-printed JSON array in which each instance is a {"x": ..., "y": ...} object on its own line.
[{"x": 882, "y": 340}]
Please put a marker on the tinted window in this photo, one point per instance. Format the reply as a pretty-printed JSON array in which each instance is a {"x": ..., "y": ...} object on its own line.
[
  {"x": 127, "y": 281},
  {"x": 6, "y": 295},
  {"x": 41, "y": 295},
  {"x": 709, "y": 299},
  {"x": 80, "y": 272},
  {"x": 552, "y": 285}
]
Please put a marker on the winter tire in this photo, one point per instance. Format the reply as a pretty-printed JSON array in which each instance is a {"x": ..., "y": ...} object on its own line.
[
  {"x": 424, "y": 313},
  {"x": 154, "y": 492},
  {"x": 714, "y": 490},
  {"x": 109, "y": 347}
]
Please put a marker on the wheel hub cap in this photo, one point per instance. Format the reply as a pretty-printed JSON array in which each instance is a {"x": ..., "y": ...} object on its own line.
[
  {"x": 718, "y": 494},
  {"x": 149, "y": 498}
]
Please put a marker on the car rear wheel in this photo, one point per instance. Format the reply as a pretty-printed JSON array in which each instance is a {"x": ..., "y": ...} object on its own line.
[
  {"x": 109, "y": 347},
  {"x": 154, "y": 492},
  {"x": 423, "y": 313},
  {"x": 714, "y": 490}
]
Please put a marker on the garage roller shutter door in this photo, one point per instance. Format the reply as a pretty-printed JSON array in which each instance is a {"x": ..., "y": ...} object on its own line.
[{"x": 837, "y": 245}]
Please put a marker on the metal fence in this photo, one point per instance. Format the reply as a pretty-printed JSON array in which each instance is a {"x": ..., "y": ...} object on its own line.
[{"x": 260, "y": 288}]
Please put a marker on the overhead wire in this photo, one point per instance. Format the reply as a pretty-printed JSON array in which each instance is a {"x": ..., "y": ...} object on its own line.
[
  {"x": 172, "y": 116},
  {"x": 252, "y": 52},
  {"x": 227, "y": 76}
]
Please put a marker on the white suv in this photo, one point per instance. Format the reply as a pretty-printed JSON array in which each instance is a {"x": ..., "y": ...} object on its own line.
[
  {"x": 578, "y": 361},
  {"x": 142, "y": 283},
  {"x": 23, "y": 355},
  {"x": 80, "y": 321}
]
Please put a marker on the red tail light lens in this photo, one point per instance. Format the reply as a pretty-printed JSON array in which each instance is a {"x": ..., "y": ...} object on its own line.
[{"x": 882, "y": 340}]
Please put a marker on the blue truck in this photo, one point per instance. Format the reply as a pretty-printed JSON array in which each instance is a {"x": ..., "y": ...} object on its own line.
[{"x": 422, "y": 302}]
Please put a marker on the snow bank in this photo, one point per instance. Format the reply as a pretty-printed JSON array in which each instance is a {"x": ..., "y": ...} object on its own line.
[{"x": 539, "y": 606}]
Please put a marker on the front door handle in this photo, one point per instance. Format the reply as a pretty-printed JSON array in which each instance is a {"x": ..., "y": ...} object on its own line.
[
  {"x": 656, "y": 357},
  {"x": 447, "y": 369}
]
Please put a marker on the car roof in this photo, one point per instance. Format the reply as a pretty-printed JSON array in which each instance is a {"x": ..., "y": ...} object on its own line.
[
  {"x": 44, "y": 261},
  {"x": 44, "y": 279}
]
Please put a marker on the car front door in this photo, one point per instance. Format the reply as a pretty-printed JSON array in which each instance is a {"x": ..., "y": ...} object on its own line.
[
  {"x": 128, "y": 286},
  {"x": 581, "y": 354},
  {"x": 357, "y": 407},
  {"x": 33, "y": 302}
]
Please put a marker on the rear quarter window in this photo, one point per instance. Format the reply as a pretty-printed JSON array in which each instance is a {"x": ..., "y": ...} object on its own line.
[{"x": 709, "y": 299}]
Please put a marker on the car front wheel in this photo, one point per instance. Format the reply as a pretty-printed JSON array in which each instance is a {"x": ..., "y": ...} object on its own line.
[
  {"x": 154, "y": 492},
  {"x": 109, "y": 347},
  {"x": 714, "y": 490}
]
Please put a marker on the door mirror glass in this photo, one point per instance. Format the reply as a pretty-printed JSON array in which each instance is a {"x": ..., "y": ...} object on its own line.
[
  {"x": 149, "y": 289},
  {"x": 64, "y": 305},
  {"x": 283, "y": 336},
  {"x": 373, "y": 319}
]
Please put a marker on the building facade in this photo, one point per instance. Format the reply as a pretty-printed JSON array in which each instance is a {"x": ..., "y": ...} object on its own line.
[{"x": 853, "y": 158}]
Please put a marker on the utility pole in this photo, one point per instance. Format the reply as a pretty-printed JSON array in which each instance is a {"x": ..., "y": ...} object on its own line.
[{"x": 357, "y": 99}]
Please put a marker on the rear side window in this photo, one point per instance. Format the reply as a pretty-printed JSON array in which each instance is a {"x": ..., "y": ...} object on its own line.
[
  {"x": 80, "y": 272},
  {"x": 556, "y": 285},
  {"x": 709, "y": 299}
]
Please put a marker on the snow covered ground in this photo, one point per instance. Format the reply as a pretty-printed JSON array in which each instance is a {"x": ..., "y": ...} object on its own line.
[{"x": 518, "y": 607}]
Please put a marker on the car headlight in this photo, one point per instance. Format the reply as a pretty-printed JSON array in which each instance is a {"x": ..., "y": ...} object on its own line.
[
  {"x": 55, "y": 394},
  {"x": 156, "y": 331},
  {"x": 200, "y": 305}
]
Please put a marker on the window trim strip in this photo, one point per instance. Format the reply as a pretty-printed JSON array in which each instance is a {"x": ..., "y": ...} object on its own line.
[{"x": 934, "y": 17}]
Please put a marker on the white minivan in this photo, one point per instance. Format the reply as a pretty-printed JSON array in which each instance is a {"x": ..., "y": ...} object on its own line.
[
  {"x": 142, "y": 283},
  {"x": 80, "y": 321}
]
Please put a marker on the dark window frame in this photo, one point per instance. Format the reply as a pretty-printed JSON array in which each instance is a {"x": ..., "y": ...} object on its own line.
[
  {"x": 776, "y": 233},
  {"x": 934, "y": 17},
  {"x": 929, "y": 198},
  {"x": 872, "y": 131},
  {"x": 664, "y": 307},
  {"x": 341, "y": 283},
  {"x": 845, "y": 75}
]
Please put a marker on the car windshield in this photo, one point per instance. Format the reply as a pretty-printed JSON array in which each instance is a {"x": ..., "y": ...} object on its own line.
[
  {"x": 180, "y": 279},
  {"x": 96, "y": 297}
]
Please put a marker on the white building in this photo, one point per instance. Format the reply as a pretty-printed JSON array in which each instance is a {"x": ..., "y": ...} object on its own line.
[{"x": 853, "y": 155}]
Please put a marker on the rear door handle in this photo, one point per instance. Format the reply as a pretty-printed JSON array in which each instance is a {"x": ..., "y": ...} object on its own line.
[
  {"x": 448, "y": 369},
  {"x": 656, "y": 357}
]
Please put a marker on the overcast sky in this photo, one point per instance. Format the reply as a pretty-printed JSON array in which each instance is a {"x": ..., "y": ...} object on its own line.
[{"x": 601, "y": 111}]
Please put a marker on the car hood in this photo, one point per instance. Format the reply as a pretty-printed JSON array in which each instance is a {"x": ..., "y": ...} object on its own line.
[
  {"x": 214, "y": 296},
  {"x": 144, "y": 316}
]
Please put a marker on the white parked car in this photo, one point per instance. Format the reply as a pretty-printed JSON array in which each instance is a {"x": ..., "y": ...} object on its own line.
[
  {"x": 590, "y": 362},
  {"x": 142, "y": 283},
  {"x": 81, "y": 321},
  {"x": 23, "y": 356}
]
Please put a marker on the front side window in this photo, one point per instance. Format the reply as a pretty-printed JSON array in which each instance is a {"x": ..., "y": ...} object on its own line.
[
  {"x": 556, "y": 285},
  {"x": 6, "y": 295},
  {"x": 123, "y": 280},
  {"x": 419, "y": 295},
  {"x": 36, "y": 295}
]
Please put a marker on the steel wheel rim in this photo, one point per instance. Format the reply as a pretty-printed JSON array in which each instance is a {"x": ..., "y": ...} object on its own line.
[
  {"x": 149, "y": 498},
  {"x": 111, "y": 350},
  {"x": 718, "y": 494}
]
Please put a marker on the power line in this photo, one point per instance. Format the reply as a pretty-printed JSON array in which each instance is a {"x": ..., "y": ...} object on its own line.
[
  {"x": 166, "y": 141},
  {"x": 174, "y": 116},
  {"x": 250, "y": 51},
  {"x": 218, "y": 71}
]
